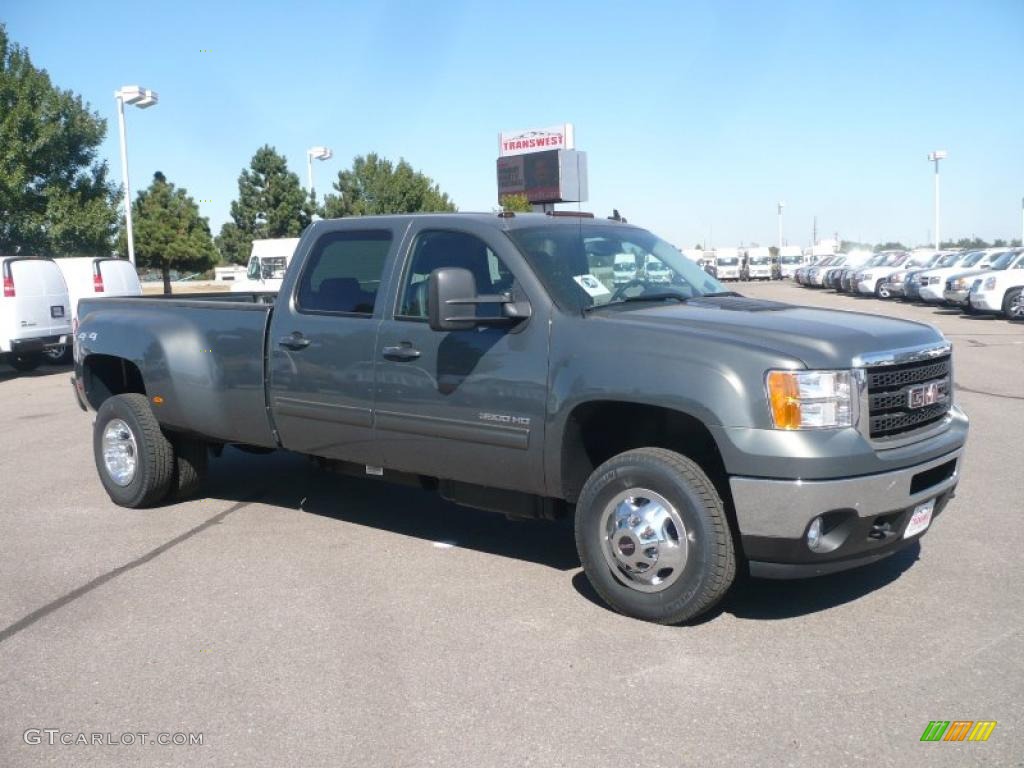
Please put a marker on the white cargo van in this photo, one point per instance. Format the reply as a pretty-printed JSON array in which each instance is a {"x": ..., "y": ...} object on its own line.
[
  {"x": 727, "y": 263},
  {"x": 267, "y": 263},
  {"x": 790, "y": 259},
  {"x": 759, "y": 264},
  {"x": 87, "y": 276},
  {"x": 35, "y": 313},
  {"x": 623, "y": 268}
]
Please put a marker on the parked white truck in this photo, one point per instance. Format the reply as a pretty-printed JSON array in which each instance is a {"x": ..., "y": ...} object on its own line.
[
  {"x": 758, "y": 264},
  {"x": 267, "y": 264},
  {"x": 791, "y": 257}
]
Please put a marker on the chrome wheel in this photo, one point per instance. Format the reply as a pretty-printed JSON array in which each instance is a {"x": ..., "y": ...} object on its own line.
[
  {"x": 1016, "y": 310},
  {"x": 120, "y": 452},
  {"x": 55, "y": 354},
  {"x": 643, "y": 540}
]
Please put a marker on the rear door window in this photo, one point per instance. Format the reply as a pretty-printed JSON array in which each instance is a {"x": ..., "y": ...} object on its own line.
[{"x": 343, "y": 272}]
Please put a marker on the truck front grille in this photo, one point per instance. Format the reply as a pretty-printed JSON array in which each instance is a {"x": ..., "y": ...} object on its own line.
[{"x": 892, "y": 408}]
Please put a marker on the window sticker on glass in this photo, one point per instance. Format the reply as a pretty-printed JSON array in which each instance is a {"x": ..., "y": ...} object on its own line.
[{"x": 591, "y": 285}]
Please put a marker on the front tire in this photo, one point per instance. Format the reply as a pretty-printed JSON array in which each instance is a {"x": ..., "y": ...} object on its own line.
[
  {"x": 134, "y": 458},
  {"x": 1013, "y": 304},
  {"x": 653, "y": 537},
  {"x": 881, "y": 290}
]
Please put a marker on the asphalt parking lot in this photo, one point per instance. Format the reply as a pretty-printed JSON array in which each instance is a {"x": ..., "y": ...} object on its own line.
[{"x": 298, "y": 618}]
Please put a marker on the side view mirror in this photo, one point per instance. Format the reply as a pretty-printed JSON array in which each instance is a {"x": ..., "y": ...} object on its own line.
[{"x": 452, "y": 300}]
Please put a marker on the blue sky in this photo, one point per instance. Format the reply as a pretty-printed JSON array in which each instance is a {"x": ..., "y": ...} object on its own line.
[{"x": 696, "y": 116}]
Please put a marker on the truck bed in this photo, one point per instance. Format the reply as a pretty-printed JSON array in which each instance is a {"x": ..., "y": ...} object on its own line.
[{"x": 203, "y": 356}]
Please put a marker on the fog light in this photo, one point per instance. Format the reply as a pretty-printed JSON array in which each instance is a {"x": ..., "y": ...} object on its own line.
[{"x": 814, "y": 534}]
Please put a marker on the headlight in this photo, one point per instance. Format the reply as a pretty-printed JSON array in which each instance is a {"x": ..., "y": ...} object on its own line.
[
  {"x": 810, "y": 399},
  {"x": 990, "y": 284},
  {"x": 959, "y": 284},
  {"x": 866, "y": 276}
]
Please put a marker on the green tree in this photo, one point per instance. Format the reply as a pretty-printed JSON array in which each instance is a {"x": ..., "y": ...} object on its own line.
[
  {"x": 518, "y": 203},
  {"x": 966, "y": 243},
  {"x": 169, "y": 232},
  {"x": 271, "y": 203},
  {"x": 375, "y": 185},
  {"x": 55, "y": 198},
  {"x": 890, "y": 246}
]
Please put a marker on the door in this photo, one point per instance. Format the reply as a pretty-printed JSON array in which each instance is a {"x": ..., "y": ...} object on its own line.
[
  {"x": 465, "y": 405},
  {"x": 322, "y": 344}
]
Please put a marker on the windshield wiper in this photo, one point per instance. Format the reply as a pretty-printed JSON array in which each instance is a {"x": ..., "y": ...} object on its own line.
[{"x": 719, "y": 293}]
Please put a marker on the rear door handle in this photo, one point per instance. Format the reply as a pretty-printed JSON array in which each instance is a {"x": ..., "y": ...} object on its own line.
[
  {"x": 403, "y": 352},
  {"x": 294, "y": 341}
]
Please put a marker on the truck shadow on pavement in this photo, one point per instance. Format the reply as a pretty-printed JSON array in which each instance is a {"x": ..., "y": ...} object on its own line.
[{"x": 293, "y": 482}]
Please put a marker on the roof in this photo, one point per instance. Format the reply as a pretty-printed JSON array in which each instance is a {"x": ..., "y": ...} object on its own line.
[{"x": 499, "y": 221}]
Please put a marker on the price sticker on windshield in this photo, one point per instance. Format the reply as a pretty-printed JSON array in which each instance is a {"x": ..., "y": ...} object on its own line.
[{"x": 591, "y": 285}]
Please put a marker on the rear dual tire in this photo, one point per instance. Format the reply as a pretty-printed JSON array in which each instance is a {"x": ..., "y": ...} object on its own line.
[{"x": 140, "y": 466}]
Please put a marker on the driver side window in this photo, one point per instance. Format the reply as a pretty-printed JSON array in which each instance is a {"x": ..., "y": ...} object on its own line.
[
  {"x": 436, "y": 249},
  {"x": 254, "y": 269}
]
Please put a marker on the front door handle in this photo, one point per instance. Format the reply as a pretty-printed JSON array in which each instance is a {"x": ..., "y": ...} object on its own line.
[
  {"x": 294, "y": 340},
  {"x": 402, "y": 353}
]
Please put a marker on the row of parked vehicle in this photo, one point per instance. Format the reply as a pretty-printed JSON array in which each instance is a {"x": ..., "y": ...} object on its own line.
[
  {"x": 39, "y": 307},
  {"x": 988, "y": 281}
]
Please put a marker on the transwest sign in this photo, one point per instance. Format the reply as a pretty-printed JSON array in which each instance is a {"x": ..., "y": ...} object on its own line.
[{"x": 536, "y": 140}]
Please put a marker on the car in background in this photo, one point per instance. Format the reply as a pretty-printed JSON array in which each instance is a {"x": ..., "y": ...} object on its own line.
[
  {"x": 1001, "y": 292},
  {"x": 958, "y": 286},
  {"x": 904, "y": 283},
  {"x": 873, "y": 280},
  {"x": 933, "y": 282},
  {"x": 847, "y": 280},
  {"x": 657, "y": 271},
  {"x": 759, "y": 264},
  {"x": 268, "y": 261},
  {"x": 35, "y": 312},
  {"x": 816, "y": 275},
  {"x": 87, "y": 276},
  {"x": 791, "y": 258},
  {"x": 854, "y": 259},
  {"x": 624, "y": 269},
  {"x": 727, "y": 263}
]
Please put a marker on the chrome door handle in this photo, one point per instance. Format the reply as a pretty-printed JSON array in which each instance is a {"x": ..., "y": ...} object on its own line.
[
  {"x": 401, "y": 353},
  {"x": 294, "y": 341}
]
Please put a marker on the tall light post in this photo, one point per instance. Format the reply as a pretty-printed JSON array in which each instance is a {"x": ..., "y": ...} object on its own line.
[
  {"x": 781, "y": 206},
  {"x": 934, "y": 157},
  {"x": 142, "y": 98},
  {"x": 316, "y": 153}
]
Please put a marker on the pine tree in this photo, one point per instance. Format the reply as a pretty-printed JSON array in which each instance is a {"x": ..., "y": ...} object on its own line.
[
  {"x": 271, "y": 203},
  {"x": 376, "y": 186},
  {"x": 169, "y": 232},
  {"x": 55, "y": 198}
]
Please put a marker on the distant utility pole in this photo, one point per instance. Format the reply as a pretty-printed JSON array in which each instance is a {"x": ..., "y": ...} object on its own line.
[
  {"x": 1022, "y": 221},
  {"x": 814, "y": 232},
  {"x": 939, "y": 154},
  {"x": 781, "y": 206}
]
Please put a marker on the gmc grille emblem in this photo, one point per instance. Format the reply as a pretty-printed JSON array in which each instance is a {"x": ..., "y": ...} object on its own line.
[{"x": 927, "y": 394}]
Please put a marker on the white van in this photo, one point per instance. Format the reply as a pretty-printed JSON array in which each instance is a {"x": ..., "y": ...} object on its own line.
[
  {"x": 87, "y": 276},
  {"x": 623, "y": 268},
  {"x": 35, "y": 313},
  {"x": 727, "y": 263},
  {"x": 267, "y": 263}
]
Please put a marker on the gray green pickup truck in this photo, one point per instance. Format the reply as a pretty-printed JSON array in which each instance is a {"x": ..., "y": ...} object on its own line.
[{"x": 687, "y": 431}]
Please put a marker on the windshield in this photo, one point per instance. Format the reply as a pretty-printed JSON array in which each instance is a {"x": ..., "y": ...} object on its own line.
[
  {"x": 949, "y": 260},
  {"x": 727, "y": 261},
  {"x": 971, "y": 260},
  {"x": 760, "y": 259},
  {"x": 791, "y": 259},
  {"x": 1004, "y": 260},
  {"x": 273, "y": 267},
  {"x": 894, "y": 259},
  {"x": 578, "y": 265}
]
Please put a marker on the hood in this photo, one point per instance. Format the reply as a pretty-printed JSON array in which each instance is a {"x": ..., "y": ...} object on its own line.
[
  {"x": 972, "y": 273},
  {"x": 946, "y": 271},
  {"x": 819, "y": 338}
]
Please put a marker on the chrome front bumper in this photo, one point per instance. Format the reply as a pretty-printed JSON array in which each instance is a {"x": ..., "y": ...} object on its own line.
[{"x": 784, "y": 508}]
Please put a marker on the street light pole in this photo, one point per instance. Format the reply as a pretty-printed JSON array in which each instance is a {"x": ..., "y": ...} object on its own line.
[
  {"x": 318, "y": 153},
  {"x": 781, "y": 206},
  {"x": 939, "y": 154},
  {"x": 124, "y": 179},
  {"x": 141, "y": 98}
]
